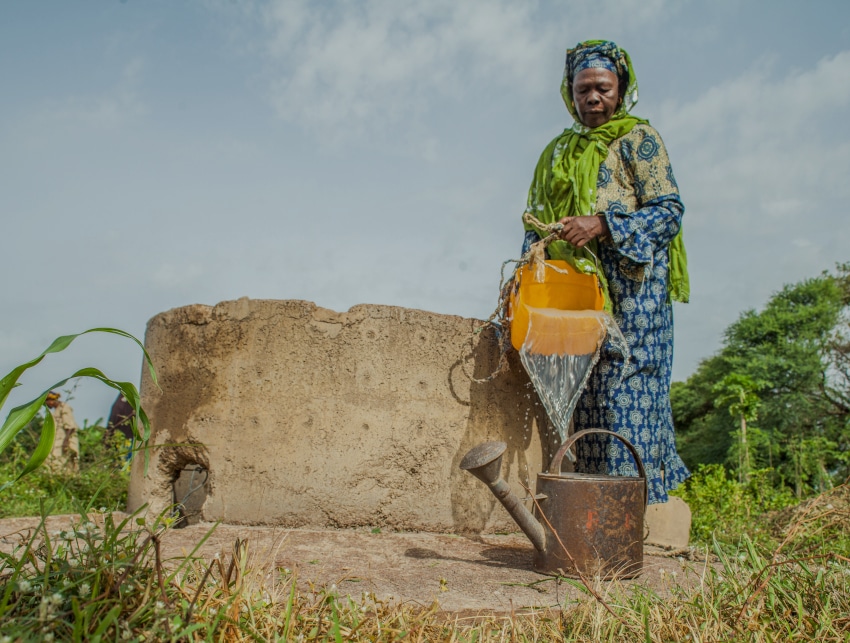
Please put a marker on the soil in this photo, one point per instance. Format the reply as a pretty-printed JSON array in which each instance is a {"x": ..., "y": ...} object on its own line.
[{"x": 489, "y": 573}]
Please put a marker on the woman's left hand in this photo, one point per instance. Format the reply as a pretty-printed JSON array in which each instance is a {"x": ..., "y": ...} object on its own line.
[{"x": 580, "y": 230}]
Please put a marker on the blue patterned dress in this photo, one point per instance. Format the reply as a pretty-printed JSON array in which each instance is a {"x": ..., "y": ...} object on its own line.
[{"x": 639, "y": 197}]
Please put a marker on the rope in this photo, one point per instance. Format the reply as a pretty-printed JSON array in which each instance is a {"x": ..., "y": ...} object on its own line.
[{"x": 535, "y": 256}]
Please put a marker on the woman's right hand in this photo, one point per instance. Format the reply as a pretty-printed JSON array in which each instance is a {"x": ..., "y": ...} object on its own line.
[{"x": 579, "y": 231}]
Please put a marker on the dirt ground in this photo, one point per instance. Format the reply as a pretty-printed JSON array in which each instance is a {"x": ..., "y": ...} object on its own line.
[{"x": 461, "y": 573}]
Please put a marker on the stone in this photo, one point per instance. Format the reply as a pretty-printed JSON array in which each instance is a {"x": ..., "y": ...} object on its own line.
[
  {"x": 306, "y": 417},
  {"x": 668, "y": 524},
  {"x": 190, "y": 494}
]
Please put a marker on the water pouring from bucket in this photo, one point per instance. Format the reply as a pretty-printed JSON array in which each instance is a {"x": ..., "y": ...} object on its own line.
[
  {"x": 558, "y": 326},
  {"x": 581, "y": 524}
]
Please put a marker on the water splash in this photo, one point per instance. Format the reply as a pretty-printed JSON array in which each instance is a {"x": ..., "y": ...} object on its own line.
[
  {"x": 559, "y": 380},
  {"x": 559, "y": 353}
]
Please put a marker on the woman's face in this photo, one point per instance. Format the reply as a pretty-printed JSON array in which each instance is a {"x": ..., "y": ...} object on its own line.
[{"x": 596, "y": 96}]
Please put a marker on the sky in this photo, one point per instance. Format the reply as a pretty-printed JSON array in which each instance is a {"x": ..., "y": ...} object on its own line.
[{"x": 156, "y": 154}]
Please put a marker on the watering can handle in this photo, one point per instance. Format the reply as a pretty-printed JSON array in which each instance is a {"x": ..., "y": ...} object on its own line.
[{"x": 555, "y": 465}]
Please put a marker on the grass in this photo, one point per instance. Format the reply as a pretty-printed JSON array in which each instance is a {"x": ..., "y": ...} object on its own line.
[
  {"x": 101, "y": 481},
  {"x": 778, "y": 575},
  {"x": 104, "y": 580}
]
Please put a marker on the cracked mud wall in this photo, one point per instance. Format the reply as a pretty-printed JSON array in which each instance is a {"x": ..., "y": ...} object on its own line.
[{"x": 305, "y": 417}]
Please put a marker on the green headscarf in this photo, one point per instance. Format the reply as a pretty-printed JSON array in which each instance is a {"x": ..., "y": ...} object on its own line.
[{"x": 567, "y": 186}]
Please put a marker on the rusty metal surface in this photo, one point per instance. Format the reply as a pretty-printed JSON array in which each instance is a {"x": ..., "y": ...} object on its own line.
[
  {"x": 598, "y": 519},
  {"x": 485, "y": 463},
  {"x": 482, "y": 455},
  {"x": 583, "y": 524}
]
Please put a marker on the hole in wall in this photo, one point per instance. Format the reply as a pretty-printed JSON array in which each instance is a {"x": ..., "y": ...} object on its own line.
[{"x": 189, "y": 491}]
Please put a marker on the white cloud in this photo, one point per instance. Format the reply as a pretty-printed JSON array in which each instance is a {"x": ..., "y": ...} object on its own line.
[
  {"x": 762, "y": 161},
  {"x": 351, "y": 66},
  {"x": 761, "y": 147},
  {"x": 380, "y": 60}
]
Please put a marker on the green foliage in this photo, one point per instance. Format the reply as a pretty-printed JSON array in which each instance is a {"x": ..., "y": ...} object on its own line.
[
  {"x": 104, "y": 578},
  {"x": 101, "y": 481},
  {"x": 21, "y": 416},
  {"x": 739, "y": 394},
  {"x": 781, "y": 368},
  {"x": 89, "y": 582},
  {"x": 724, "y": 510}
]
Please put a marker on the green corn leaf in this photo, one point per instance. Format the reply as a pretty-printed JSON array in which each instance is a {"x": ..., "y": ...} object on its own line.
[
  {"x": 59, "y": 344},
  {"x": 45, "y": 445},
  {"x": 10, "y": 381},
  {"x": 20, "y": 416}
]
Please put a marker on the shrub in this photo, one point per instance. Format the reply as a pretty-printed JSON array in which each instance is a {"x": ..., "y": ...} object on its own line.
[{"x": 724, "y": 509}]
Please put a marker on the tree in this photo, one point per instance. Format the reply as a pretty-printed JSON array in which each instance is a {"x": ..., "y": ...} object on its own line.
[
  {"x": 739, "y": 394},
  {"x": 789, "y": 364}
]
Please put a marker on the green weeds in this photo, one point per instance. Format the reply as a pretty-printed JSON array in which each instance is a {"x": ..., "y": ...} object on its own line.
[
  {"x": 106, "y": 579},
  {"x": 101, "y": 481},
  {"x": 724, "y": 509}
]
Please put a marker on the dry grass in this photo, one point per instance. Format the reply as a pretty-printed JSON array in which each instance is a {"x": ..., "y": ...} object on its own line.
[{"x": 107, "y": 581}]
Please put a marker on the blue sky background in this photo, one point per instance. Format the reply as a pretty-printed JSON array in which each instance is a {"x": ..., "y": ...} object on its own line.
[{"x": 156, "y": 154}]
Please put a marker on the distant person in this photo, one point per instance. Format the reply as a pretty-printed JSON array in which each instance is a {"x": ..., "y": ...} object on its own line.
[
  {"x": 65, "y": 455},
  {"x": 120, "y": 419}
]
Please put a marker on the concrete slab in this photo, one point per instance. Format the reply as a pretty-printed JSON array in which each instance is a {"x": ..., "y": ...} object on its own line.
[{"x": 462, "y": 574}]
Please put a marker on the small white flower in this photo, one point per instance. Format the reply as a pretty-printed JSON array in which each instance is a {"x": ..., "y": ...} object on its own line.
[
  {"x": 56, "y": 598},
  {"x": 24, "y": 585},
  {"x": 159, "y": 605},
  {"x": 47, "y": 637},
  {"x": 85, "y": 590}
]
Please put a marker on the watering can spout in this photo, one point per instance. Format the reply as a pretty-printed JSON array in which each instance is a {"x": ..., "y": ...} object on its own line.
[{"x": 485, "y": 463}]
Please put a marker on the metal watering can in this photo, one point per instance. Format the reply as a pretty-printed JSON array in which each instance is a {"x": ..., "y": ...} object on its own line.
[{"x": 583, "y": 524}]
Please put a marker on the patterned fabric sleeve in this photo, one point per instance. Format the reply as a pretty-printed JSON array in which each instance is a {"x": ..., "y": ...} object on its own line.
[
  {"x": 637, "y": 235},
  {"x": 530, "y": 237}
]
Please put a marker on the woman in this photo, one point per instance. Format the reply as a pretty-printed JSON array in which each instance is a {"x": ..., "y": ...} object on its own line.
[{"x": 608, "y": 181}]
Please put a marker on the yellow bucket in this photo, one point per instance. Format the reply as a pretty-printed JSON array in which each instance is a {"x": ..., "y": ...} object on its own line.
[{"x": 563, "y": 289}]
